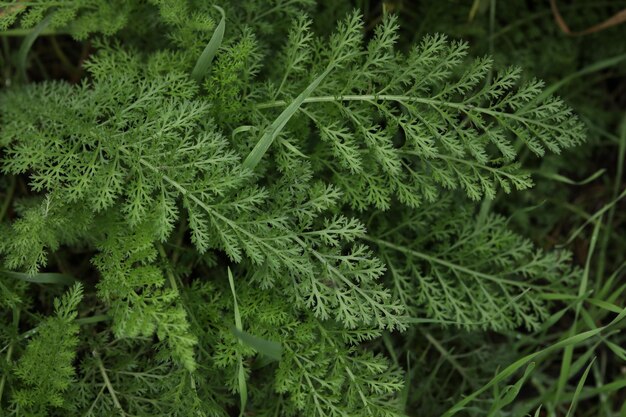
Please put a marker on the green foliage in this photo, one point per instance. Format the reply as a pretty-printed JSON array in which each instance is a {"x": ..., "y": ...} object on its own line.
[
  {"x": 266, "y": 216},
  {"x": 46, "y": 368},
  {"x": 85, "y": 16},
  {"x": 133, "y": 287},
  {"x": 405, "y": 125},
  {"x": 474, "y": 273}
]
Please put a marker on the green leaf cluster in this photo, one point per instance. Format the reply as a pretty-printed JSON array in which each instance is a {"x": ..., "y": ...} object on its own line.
[{"x": 337, "y": 175}]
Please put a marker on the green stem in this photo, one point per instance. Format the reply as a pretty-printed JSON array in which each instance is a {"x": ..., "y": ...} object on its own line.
[
  {"x": 447, "y": 355},
  {"x": 4, "y": 377},
  {"x": 450, "y": 265},
  {"x": 16, "y": 319},
  {"x": 86, "y": 320},
  {"x": 604, "y": 245},
  {"x": 210, "y": 210},
  {"x": 408, "y": 99},
  {"x": 61, "y": 55},
  {"x": 180, "y": 235},
  {"x": 168, "y": 270},
  {"x": 8, "y": 198},
  {"x": 19, "y": 32},
  {"x": 107, "y": 383}
]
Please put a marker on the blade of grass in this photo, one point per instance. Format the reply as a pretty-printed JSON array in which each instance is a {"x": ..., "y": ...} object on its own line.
[
  {"x": 241, "y": 373},
  {"x": 81, "y": 322},
  {"x": 603, "y": 304},
  {"x": 566, "y": 362},
  {"x": 593, "y": 218},
  {"x": 511, "y": 392},
  {"x": 579, "y": 388},
  {"x": 446, "y": 355},
  {"x": 515, "y": 366},
  {"x": 27, "y": 43},
  {"x": 595, "y": 67},
  {"x": 608, "y": 292},
  {"x": 40, "y": 278},
  {"x": 565, "y": 180},
  {"x": 8, "y": 198},
  {"x": 269, "y": 348},
  {"x": 92, "y": 319},
  {"x": 203, "y": 64},
  {"x": 253, "y": 159},
  {"x": 619, "y": 174}
]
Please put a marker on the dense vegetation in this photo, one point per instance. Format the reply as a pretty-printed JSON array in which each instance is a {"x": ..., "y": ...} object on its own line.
[{"x": 312, "y": 208}]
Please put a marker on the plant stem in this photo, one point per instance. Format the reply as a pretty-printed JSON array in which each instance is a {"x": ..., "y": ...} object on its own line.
[
  {"x": 16, "y": 319},
  {"x": 61, "y": 55},
  {"x": 107, "y": 383},
  {"x": 4, "y": 376},
  {"x": 8, "y": 198},
  {"x": 447, "y": 264},
  {"x": 168, "y": 270},
  {"x": 402, "y": 100}
]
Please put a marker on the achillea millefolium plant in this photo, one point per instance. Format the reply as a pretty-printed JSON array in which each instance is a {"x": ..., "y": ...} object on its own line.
[{"x": 221, "y": 208}]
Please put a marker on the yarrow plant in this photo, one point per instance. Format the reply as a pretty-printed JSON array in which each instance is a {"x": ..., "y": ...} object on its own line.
[{"x": 252, "y": 216}]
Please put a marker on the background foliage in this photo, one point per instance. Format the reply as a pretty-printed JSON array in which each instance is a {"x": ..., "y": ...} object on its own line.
[{"x": 318, "y": 208}]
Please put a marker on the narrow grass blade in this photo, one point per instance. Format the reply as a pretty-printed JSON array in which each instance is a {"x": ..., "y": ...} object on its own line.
[
  {"x": 515, "y": 366},
  {"x": 240, "y": 129},
  {"x": 447, "y": 355},
  {"x": 605, "y": 305},
  {"x": 243, "y": 388},
  {"x": 591, "y": 392},
  {"x": 565, "y": 180},
  {"x": 93, "y": 319},
  {"x": 595, "y": 216},
  {"x": 568, "y": 353},
  {"x": 510, "y": 393},
  {"x": 204, "y": 62},
  {"x": 619, "y": 351},
  {"x": 231, "y": 281},
  {"x": 241, "y": 372},
  {"x": 579, "y": 388},
  {"x": 277, "y": 126},
  {"x": 595, "y": 67},
  {"x": 27, "y": 43},
  {"x": 271, "y": 349},
  {"x": 617, "y": 184},
  {"x": 40, "y": 278}
]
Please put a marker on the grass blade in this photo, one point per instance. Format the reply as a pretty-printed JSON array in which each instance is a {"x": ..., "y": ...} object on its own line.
[
  {"x": 579, "y": 388},
  {"x": 515, "y": 366},
  {"x": 253, "y": 159},
  {"x": 590, "y": 69},
  {"x": 241, "y": 372},
  {"x": 271, "y": 349},
  {"x": 568, "y": 353},
  {"x": 41, "y": 278},
  {"x": 511, "y": 392},
  {"x": 593, "y": 218},
  {"x": 28, "y": 42},
  {"x": 231, "y": 281},
  {"x": 569, "y": 181},
  {"x": 204, "y": 62}
]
